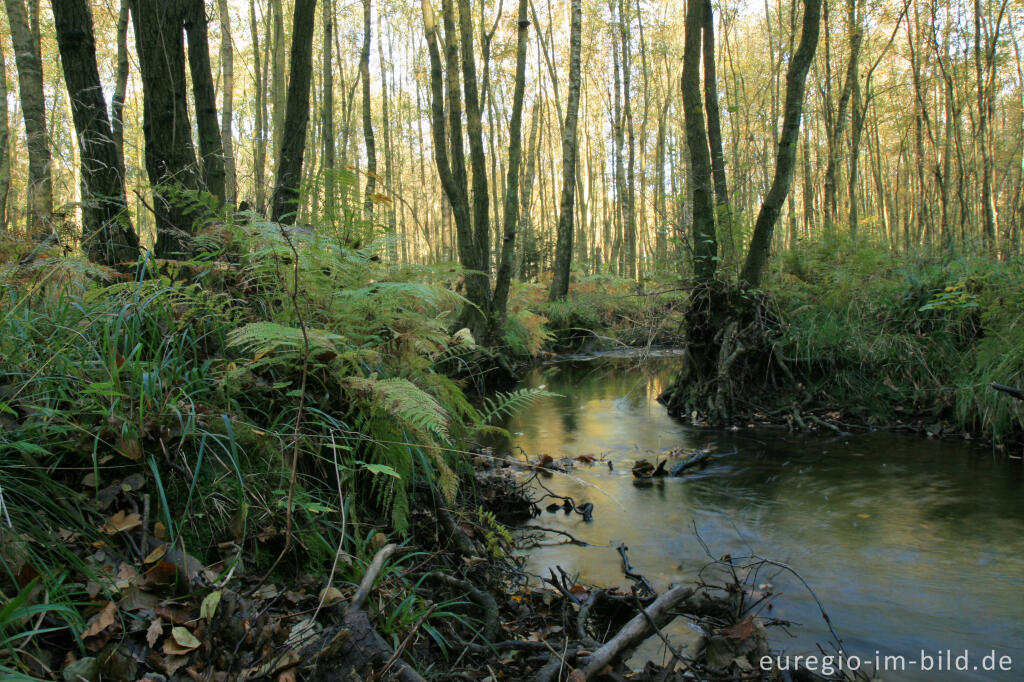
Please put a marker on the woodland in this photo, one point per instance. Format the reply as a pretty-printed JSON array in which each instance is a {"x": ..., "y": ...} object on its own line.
[{"x": 270, "y": 269}]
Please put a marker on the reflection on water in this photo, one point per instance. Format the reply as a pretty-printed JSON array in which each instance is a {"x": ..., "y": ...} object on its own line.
[{"x": 910, "y": 544}]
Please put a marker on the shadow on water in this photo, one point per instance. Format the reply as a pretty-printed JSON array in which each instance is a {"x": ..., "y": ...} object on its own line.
[{"x": 911, "y": 544}]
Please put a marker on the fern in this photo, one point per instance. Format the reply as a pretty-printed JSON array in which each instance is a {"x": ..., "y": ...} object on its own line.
[
  {"x": 505, "y": 404},
  {"x": 405, "y": 401}
]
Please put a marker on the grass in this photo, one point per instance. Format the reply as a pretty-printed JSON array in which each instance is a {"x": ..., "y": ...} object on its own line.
[{"x": 886, "y": 335}]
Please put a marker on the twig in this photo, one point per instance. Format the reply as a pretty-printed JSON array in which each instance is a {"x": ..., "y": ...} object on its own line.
[
  {"x": 370, "y": 577},
  {"x": 405, "y": 642},
  {"x": 293, "y": 295},
  {"x": 341, "y": 539}
]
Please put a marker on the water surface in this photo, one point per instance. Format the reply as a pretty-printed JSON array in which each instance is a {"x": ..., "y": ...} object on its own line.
[{"x": 911, "y": 544}]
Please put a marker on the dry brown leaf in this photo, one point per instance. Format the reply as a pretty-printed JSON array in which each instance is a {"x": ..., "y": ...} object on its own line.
[
  {"x": 102, "y": 622},
  {"x": 576, "y": 676},
  {"x": 330, "y": 594},
  {"x": 161, "y": 573},
  {"x": 120, "y": 522},
  {"x": 156, "y": 628},
  {"x": 160, "y": 531},
  {"x": 155, "y": 555},
  {"x": 740, "y": 631}
]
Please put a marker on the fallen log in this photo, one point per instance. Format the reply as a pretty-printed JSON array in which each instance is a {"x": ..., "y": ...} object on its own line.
[{"x": 1017, "y": 393}]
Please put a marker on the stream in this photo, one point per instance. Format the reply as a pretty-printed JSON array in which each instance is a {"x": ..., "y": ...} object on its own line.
[{"x": 910, "y": 544}]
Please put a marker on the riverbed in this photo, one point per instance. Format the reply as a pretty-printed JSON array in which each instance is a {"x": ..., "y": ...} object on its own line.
[{"x": 912, "y": 545}]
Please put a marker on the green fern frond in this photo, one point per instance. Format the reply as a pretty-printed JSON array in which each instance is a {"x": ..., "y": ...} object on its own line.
[
  {"x": 504, "y": 404},
  {"x": 405, "y": 401},
  {"x": 264, "y": 338}
]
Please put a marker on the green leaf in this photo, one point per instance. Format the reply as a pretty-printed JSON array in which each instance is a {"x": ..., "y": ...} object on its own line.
[
  {"x": 209, "y": 605},
  {"x": 376, "y": 469}
]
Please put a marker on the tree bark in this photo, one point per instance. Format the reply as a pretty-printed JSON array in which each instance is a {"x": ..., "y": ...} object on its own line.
[
  {"x": 5, "y": 141},
  {"x": 327, "y": 115},
  {"x": 628, "y": 199},
  {"x": 170, "y": 155},
  {"x": 715, "y": 128},
  {"x": 260, "y": 132},
  {"x": 705, "y": 245},
  {"x": 107, "y": 234},
  {"x": 120, "y": 81},
  {"x": 227, "y": 111},
  {"x": 796, "y": 79},
  {"x": 211, "y": 150},
  {"x": 450, "y": 159},
  {"x": 563, "y": 247},
  {"x": 293, "y": 142},
  {"x": 504, "y": 276},
  {"x": 33, "y": 106},
  {"x": 371, "y": 146}
]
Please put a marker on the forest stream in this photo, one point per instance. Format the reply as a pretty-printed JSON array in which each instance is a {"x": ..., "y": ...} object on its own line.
[{"x": 911, "y": 544}]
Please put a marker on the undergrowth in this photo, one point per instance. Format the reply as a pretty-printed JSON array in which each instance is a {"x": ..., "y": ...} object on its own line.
[
  {"x": 891, "y": 336},
  {"x": 170, "y": 398}
]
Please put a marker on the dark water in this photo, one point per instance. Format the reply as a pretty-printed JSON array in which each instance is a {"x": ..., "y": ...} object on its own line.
[{"x": 910, "y": 544}]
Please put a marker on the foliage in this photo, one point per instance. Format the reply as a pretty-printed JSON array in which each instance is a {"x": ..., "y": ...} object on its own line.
[{"x": 890, "y": 334}]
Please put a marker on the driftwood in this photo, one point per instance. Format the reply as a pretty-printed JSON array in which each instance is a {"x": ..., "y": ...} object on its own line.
[
  {"x": 636, "y": 630},
  {"x": 1017, "y": 393}
]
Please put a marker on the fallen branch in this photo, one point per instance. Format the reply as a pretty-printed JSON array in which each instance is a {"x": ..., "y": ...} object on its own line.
[
  {"x": 1017, "y": 393},
  {"x": 636, "y": 630}
]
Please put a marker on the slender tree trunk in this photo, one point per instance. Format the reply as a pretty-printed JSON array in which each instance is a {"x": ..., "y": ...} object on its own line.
[
  {"x": 563, "y": 247},
  {"x": 504, "y": 276},
  {"x": 107, "y": 234},
  {"x": 785, "y": 160},
  {"x": 371, "y": 147},
  {"x": 278, "y": 78},
  {"x": 723, "y": 213},
  {"x": 33, "y": 107},
  {"x": 259, "y": 151},
  {"x": 629, "y": 197},
  {"x": 450, "y": 159},
  {"x": 5, "y": 141},
  {"x": 120, "y": 81},
  {"x": 227, "y": 111},
  {"x": 327, "y": 114},
  {"x": 528, "y": 240},
  {"x": 705, "y": 246},
  {"x": 389, "y": 155},
  {"x": 296, "y": 120},
  {"x": 170, "y": 155},
  {"x": 211, "y": 151}
]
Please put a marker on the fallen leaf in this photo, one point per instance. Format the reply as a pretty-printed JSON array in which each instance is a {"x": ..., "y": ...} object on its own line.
[
  {"x": 173, "y": 612},
  {"x": 156, "y": 628},
  {"x": 863, "y": 516},
  {"x": 161, "y": 573},
  {"x": 173, "y": 662},
  {"x": 267, "y": 591},
  {"x": 155, "y": 555},
  {"x": 209, "y": 605},
  {"x": 120, "y": 522},
  {"x": 330, "y": 594},
  {"x": 160, "y": 531},
  {"x": 740, "y": 631},
  {"x": 180, "y": 642},
  {"x": 576, "y": 676},
  {"x": 578, "y": 592},
  {"x": 102, "y": 622}
]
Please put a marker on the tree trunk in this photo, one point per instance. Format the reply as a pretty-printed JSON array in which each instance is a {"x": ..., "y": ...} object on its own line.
[
  {"x": 563, "y": 247},
  {"x": 5, "y": 141},
  {"x": 260, "y": 132},
  {"x": 120, "y": 81},
  {"x": 628, "y": 199},
  {"x": 327, "y": 115},
  {"x": 33, "y": 107},
  {"x": 107, "y": 235},
  {"x": 170, "y": 155},
  {"x": 715, "y": 130},
  {"x": 705, "y": 246},
  {"x": 227, "y": 111},
  {"x": 371, "y": 147},
  {"x": 293, "y": 142},
  {"x": 504, "y": 276},
  {"x": 785, "y": 160},
  {"x": 278, "y": 78},
  {"x": 450, "y": 159},
  {"x": 211, "y": 151}
]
